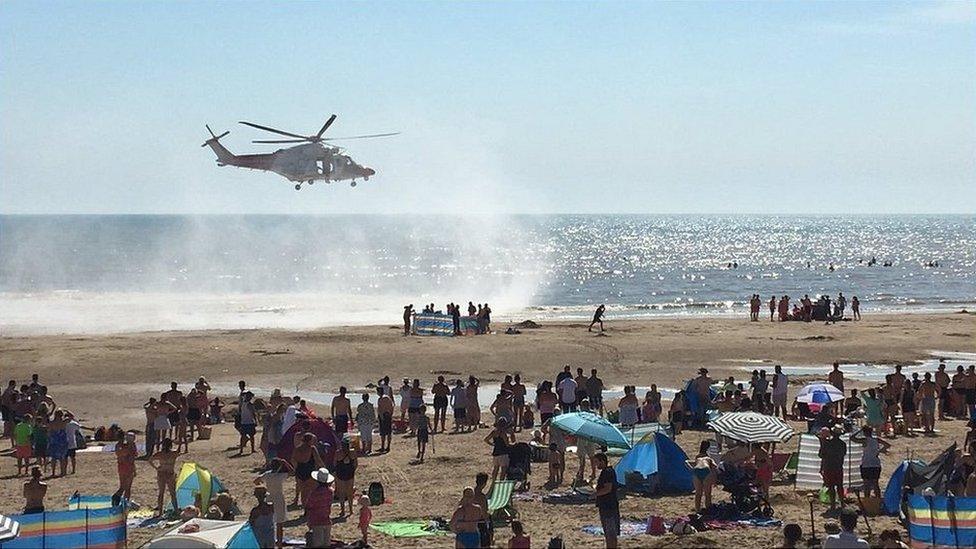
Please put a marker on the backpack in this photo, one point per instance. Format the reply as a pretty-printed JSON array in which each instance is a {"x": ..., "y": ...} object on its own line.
[{"x": 375, "y": 494}]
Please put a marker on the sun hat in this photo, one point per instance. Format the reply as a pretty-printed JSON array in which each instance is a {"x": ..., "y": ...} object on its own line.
[{"x": 323, "y": 476}]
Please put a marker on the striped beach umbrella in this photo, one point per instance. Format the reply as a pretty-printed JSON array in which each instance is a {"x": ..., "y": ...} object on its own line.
[
  {"x": 9, "y": 528},
  {"x": 751, "y": 427}
]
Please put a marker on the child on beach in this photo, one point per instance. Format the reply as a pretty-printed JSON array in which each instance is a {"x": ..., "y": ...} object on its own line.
[
  {"x": 519, "y": 540},
  {"x": 528, "y": 417},
  {"x": 365, "y": 517},
  {"x": 557, "y": 465},
  {"x": 423, "y": 433}
]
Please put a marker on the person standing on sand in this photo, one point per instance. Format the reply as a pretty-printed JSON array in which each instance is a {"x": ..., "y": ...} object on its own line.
[
  {"x": 677, "y": 412},
  {"x": 305, "y": 459},
  {"x": 518, "y": 400},
  {"x": 440, "y": 390},
  {"x": 248, "y": 422},
  {"x": 597, "y": 318},
  {"x": 404, "y": 398},
  {"x": 365, "y": 420},
  {"x": 836, "y": 377},
  {"x": 319, "y": 508},
  {"x": 459, "y": 400},
  {"x": 942, "y": 381},
  {"x": 173, "y": 398},
  {"x": 567, "y": 393},
  {"x": 125, "y": 457},
  {"x": 345, "y": 477},
  {"x": 22, "y": 435},
  {"x": 472, "y": 408},
  {"x": 832, "y": 452},
  {"x": 34, "y": 492},
  {"x": 606, "y": 500},
  {"x": 780, "y": 388},
  {"x": 274, "y": 480},
  {"x": 772, "y": 308},
  {"x": 856, "y": 308},
  {"x": 465, "y": 520},
  {"x": 500, "y": 439},
  {"x": 164, "y": 462},
  {"x": 407, "y": 315},
  {"x": 262, "y": 519},
  {"x": 703, "y": 473},
  {"x": 341, "y": 412},
  {"x": 423, "y": 432},
  {"x": 594, "y": 389},
  {"x": 925, "y": 401}
]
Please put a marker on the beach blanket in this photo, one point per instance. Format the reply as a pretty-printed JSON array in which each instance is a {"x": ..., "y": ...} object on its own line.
[
  {"x": 574, "y": 497},
  {"x": 408, "y": 529},
  {"x": 628, "y": 529}
]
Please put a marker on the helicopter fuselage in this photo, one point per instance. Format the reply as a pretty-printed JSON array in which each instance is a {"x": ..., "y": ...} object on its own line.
[{"x": 301, "y": 163}]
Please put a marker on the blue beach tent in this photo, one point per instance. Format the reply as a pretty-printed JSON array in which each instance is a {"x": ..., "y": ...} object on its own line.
[{"x": 656, "y": 454}]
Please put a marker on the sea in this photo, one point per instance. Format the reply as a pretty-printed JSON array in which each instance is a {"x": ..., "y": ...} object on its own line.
[{"x": 123, "y": 273}]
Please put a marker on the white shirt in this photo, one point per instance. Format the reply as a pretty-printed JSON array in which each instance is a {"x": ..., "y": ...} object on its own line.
[
  {"x": 289, "y": 418},
  {"x": 459, "y": 397},
  {"x": 845, "y": 540},
  {"x": 870, "y": 457},
  {"x": 567, "y": 390},
  {"x": 71, "y": 429}
]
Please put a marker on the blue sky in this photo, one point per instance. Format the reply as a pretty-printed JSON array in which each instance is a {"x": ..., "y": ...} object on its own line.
[{"x": 779, "y": 107}]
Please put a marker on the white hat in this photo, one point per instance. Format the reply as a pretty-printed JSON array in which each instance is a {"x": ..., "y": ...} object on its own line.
[{"x": 323, "y": 475}]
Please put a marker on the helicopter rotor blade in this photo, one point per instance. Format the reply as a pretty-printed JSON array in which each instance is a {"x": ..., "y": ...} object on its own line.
[
  {"x": 364, "y": 136},
  {"x": 281, "y": 141},
  {"x": 272, "y": 130},
  {"x": 326, "y": 126}
]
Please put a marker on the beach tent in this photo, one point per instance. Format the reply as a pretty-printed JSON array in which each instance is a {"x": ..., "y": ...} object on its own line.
[
  {"x": 808, "y": 464},
  {"x": 917, "y": 476},
  {"x": 327, "y": 438},
  {"x": 207, "y": 534},
  {"x": 195, "y": 479},
  {"x": 893, "y": 490},
  {"x": 941, "y": 521},
  {"x": 656, "y": 454},
  {"x": 80, "y": 528}
]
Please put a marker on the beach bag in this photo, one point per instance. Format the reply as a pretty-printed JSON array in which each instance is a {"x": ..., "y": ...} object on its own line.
[
  {"x": 204, "y": 433},
  {"x": 375, "y": 494},
  {"x": 655, "y": 526}
]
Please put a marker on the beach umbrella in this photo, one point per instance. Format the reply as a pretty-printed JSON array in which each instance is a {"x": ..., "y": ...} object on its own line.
[
  {"x": 751, "y": 427},
  {"x": 819, "y": 393},
  {"x": 591, "y": 427},
  {"x": 9, "y": 528}
]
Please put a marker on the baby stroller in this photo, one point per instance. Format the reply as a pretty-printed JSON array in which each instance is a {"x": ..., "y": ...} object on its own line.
[
  {"x": 744, "y": 491},
  {"x": 520, "y": 465}
]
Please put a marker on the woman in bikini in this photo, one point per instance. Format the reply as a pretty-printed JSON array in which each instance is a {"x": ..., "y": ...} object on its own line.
[
  {"x": 125, "y": 456},
  {"x": 164, "y": 462},
  {"x": 703, "y": 472},
  {"x": 305, "y": 459}
]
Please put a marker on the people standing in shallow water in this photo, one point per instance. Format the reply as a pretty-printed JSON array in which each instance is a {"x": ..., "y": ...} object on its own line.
[
  {"x": 772, "y": 308},
  {"x": 597, "y": 318}
]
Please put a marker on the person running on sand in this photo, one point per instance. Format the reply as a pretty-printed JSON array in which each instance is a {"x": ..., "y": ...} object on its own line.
[
  {"x": 466, "y": 519},
  {"x": 384, "y": 411},
  {"x": 703, "y": 472},
  {"x": 597, "y": 318},
  {"x": 34, "y": 492},
  {"x": 164, "y": 462},
  {"x": 440, "y": 390}
]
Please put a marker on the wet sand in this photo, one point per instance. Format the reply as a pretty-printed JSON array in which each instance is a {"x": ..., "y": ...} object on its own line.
[{"x": 106, "y": 379}]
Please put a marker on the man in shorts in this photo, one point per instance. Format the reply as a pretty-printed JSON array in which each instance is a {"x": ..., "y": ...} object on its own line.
[
  {"x": 173, "y": 396},
  {"x": 942, "y": 381},
  {"x": 780, "y": 388},
  {"x": 384, "y": 410},
  {"x": 606, "y": 500},
  {"x": 594, "y": 388},
  {"x": 23, "y": 434},
  {"x": 341, "y": 411},
  {"x": 926, "y": 395},
  {"x": 459, "y": 400},
  {"x": 832, "y": 452}
]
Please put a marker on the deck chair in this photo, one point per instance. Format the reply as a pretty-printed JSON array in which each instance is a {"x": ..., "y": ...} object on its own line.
[{"x": 500, "y": 507}]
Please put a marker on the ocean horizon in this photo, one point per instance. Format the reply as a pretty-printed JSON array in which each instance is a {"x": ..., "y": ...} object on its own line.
[{"x": 83, "y": 273}]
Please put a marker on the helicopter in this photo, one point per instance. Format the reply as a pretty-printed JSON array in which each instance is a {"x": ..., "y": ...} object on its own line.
[{"x": 316, "y": 159}]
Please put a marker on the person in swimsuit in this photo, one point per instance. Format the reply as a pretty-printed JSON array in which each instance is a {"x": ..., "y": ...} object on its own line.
[
  {"x": 341, "y": 412},
  {"x": 518, "y": 399},
  {"x": 925, "y": 398},
  {"x": 440, "y": 390},
  {"x": 305, "y": 459},
  {"x": 908, "y": 408},
  {"x": 500, "y": 439},
  {"x": 345, "y": 475},
  {"x": 464, "y": 522},
  {"x": 164, "y": 462},
  {"x": 703, "y": 471},
  {"x": 57, "y": 443}
]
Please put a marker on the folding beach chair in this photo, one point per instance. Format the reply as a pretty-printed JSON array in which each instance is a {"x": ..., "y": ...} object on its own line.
[{"x": 500, "y": 506}]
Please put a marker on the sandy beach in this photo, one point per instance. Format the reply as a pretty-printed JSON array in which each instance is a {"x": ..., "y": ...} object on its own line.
[{"x": 106, "y": 379}]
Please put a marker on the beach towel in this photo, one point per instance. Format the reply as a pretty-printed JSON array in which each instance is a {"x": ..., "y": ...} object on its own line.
[
  {"x": 408, "y": 529},
  {"x": 628, "y": 529}
]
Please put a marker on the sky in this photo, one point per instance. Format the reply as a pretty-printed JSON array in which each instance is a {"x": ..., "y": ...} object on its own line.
[{"x": 504, "y": 107}]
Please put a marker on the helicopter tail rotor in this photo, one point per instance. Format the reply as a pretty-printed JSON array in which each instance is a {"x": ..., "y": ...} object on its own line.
[{"x": 213, "y": 136}]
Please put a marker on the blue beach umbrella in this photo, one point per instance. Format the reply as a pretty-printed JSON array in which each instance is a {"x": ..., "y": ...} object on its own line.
[
  {"x": 819, "y": 393},
  {"x": 591, "y": 427}
]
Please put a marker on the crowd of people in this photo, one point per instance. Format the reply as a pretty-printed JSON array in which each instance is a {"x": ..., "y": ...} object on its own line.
[
  {"x": 45, "y": 437},
  {"x": 481, "y": 314},
  {"x": 808, "y": 310}
]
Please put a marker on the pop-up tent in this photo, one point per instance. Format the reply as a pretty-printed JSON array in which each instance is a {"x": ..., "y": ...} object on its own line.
[
  {"x": 917, "y": 476},
  {"x": 195, "y": 479},
  {"x": 328, "y": 440},
  {"x": 207, "y": 534},
  {"x": 656, "y": 454}
]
